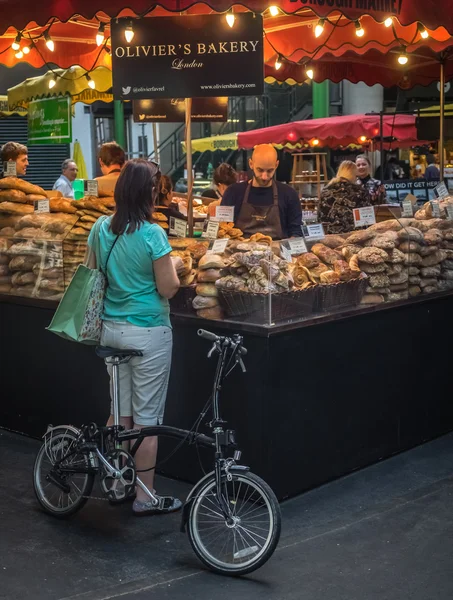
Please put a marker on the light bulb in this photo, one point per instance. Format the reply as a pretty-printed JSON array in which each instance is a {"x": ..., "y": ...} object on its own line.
[
  {"x": 52, "y": 82},
  {"x": 273, "y": 10},
  {"x": 16, "y": 44},
  {"x": 49, "y": 41},
  {"x": 100, "y": 34},
  {"x": 423, "y": 33},
  {"x": 310, "y": 73},
  {"x": 91, "y": 83},
  {"x": 26, "y": 49},
  {"x": 129, "y": 34},
  {"x": 362, "y": 139},
  {"x": 19, "y": 54},
  {"x": 359, "y": 30},
  {"x": 319, "y": 28},
  {"x": 278, "y": 62},
  {"x": 230, "y": 19},
  {"x": 403, "y": 58},
  {"x": 315, "y": 142},
  {"x": 388, "y": 22}
]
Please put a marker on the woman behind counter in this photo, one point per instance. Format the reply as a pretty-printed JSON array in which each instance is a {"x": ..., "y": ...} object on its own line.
[
  {"x": 340, "y": 196},
  {"x": 224, "y": 176},
  {"x": 375, "y": 188}
]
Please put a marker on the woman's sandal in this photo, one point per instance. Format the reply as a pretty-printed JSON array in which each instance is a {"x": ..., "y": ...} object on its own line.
[{"x": 167, "y": 504}]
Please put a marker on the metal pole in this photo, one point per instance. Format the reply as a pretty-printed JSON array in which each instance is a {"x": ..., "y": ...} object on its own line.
[
  {"x": 118, "y": 111},
  {"x": 381, "y": 145},
  {"x": 321, "y": 99},
  {"x": 189, "y": 165},
  {"x": 442, "y": 121},
  {"x": 156, "y": 149}
]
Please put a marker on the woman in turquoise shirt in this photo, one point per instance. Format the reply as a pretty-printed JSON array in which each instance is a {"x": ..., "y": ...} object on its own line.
[{"x": 141, "y": 279}]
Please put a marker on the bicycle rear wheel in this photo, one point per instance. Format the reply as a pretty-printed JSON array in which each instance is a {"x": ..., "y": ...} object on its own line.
[
  {"x": 246, "y": 543},
  {"x": 54, "y": 500}
]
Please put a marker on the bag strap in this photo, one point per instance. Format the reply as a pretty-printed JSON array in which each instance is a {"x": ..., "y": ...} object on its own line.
[{"x": 108, "y": 257}]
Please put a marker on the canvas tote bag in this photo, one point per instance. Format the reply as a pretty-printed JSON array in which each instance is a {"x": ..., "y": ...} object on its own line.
[{"x": 78, "y": 317}]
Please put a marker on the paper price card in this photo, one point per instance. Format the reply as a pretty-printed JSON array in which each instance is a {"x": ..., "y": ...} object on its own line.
[
  {"x": 225, "y": 213},
  {"x": 297, "y": 246},
  {"x": 9, "y": 169},
  {"x": 364, "y": 216},
  {"x": 178, "y": 227},
  {"x": 42, "y": 206},
  {"x": 436, "y": 209},
  {"x": 218, "y": 247},
  {"x": 309, "y": 216},
  {"x": 449, "y": 209},
  {"x": 285, "y": 253},
  {"x": 211, "y": 231},
  {"x": 313, "y": 232},
  {"x": 91, "y": 188},
  {"x": 407, "y": 209},
  {"x": 441, "y": 190}
]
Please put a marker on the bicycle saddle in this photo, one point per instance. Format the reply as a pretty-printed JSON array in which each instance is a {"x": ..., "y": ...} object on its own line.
[{"x": 107, "y": 352}]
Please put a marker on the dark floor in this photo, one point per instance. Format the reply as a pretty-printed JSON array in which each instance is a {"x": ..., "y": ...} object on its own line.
[{"x": 383, "y": 533}]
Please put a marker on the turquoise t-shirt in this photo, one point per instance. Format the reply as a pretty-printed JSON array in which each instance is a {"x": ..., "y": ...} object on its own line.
[{"x": 132, "y": 292}]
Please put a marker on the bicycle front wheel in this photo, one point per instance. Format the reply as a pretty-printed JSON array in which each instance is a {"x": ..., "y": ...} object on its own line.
[
  {"x": 246, "y": 541},
  {"x": 76, "y": 486}
]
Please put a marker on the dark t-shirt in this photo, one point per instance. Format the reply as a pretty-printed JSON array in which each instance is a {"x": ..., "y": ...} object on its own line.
[{"x": 288, "y": 203}]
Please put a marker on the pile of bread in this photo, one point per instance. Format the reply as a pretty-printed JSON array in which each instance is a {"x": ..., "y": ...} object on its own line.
[
  {"x": 190, "y": 251},
  {"x": 206, "y": 302},
  {"x": 160, "y": 219},
  {"x": 228, "y": 230}
]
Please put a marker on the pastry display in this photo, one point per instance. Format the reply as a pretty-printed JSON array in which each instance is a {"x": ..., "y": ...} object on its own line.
[{"x": 206, "y": 302}]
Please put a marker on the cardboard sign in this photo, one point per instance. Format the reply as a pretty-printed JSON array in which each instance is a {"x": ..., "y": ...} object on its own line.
[
  {"x": 218, "y": 247},
  {"x": 286, "y": 253},
  {"x": 441, "y": 190},
  {"x": 293, "y": 247},
  {"x": 9, "y": 169},
  {"x": 173, "y": 110},
  {"x": 211, "y": 230},
  {"x": 313, "y": 232},
  {"x": 364, "y": 216},
  {"x": 42, "y": 206},
  {"x": 309, "y": 216},
  {"x": 408, "y": 210},
  {"x": 178, "y": 227},
  {"x": 449, "y": 210},
  {"x": 91, "y": 187},
  {"x": 188, "y": 56},
  {"x": 436, "y": 209},
  {"x": 224, "y": 213}
]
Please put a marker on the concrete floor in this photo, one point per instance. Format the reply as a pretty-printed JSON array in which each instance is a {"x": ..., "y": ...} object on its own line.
[{"x": 384, "y": 533}]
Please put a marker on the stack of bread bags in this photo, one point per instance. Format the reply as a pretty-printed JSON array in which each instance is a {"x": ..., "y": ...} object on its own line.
[
  {"x": 88, "y": 210},
  {"x": 31, "y": 259},
  {"x": 206, "y": 302}
]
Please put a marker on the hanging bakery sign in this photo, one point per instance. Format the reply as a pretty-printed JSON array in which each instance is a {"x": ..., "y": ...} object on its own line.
[
  {"x": 355, "y": 8},
  {"x": 187, "y": 56},
  {"x": 166, "y": 110}
]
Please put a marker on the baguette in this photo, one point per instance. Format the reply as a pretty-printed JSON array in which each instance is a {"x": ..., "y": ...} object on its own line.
[
  {"x": 13, "y": 196},
  {"x": 14, "y": 208},
  {"x": 61, "y": 205},
  {"x": 14, "y": 183}
]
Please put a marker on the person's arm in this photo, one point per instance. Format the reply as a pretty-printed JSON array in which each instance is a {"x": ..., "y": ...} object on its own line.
[
  {"x": 293, "y": 215},
  {"x": 166, "y": 279},
  {"x": 382, "y": 195}
]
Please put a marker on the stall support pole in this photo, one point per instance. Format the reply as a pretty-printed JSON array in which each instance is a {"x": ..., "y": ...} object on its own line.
[
  {"x": 442, "y": 120},
  {"x": 156, "y": 148},
  {"x": 381, "y": 144},
  {"x": 189, "y": 165},
  {"x": 118, "y": 111}
]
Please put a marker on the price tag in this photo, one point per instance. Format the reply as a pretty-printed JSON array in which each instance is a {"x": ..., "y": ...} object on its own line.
[
  {"x": 309, "y": 216},
  {"x": 211, "y": 231},
  {"x": 42, "y": 206},
  {"x": 314, "y": 232},
  {"x": 364, "y": 216},
  {"x": 91, "y": 188},
  {"x": 449, "y": 209},
  {"x": 178, "y": 227},
  {"x": 441, "y": 190},
  {"x": 436, "y": 209},
  {"x": 9, "y": 169},
  {"x": 225, "y": 213},
  {"x": 407, "y": 209},
  {"x": 55, "y": 263},
  {"x": 218, "y": 247},
  {"x": 285, "y": 253},
  {"x": 297, "y": 245}
]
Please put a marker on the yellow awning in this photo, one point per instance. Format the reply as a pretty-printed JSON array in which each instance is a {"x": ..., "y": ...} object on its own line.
[
  {"x": 4, "y": 109},
  {"x": 70, "y": 82},
  {"x": 228, "y": 141},
  {"x": 435, "y": 110}
]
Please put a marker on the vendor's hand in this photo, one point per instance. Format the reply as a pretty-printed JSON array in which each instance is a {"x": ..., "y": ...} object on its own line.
[{"x": 177, "y": 263}]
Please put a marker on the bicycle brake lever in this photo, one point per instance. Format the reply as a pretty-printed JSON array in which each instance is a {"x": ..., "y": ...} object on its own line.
[
  {"x": 212, "y": 350},
  {"x": 241, "y": 362}
]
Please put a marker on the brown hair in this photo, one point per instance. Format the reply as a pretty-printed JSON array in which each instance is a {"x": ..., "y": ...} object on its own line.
[
  {"x": 12, "y": 151},
  {"x": 165, "y": 188},
  {"x": 346, "y": 170},
  {"x": 135, "y": 194},
  {"x": 111, "y": 153},
  {"x": 225, "y": 174}
]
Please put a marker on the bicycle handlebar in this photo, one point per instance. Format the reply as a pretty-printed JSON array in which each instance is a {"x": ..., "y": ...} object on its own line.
[{"x": 212, "y": 337}]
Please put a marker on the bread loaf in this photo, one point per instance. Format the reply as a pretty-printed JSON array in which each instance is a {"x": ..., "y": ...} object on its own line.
[
  {"x": 14, "y": 183},
  {"x": 13, "y": 196},
  {"x": 409, "y": 247},
  {"x": 379, "y": 280},
  {"x": 15, "y": 208},
  {"x": 215, "y": 313},
  {"x": 333, "y": 241},
  {"x": 413, "y": 259},
  {"x": 360, "y": 237},
  {"x": 410, "y": 234},
  {"x": 211, "y": 261},
  {"x": 7, "y": 231},
  {"x": 372, "y": 299},
  {"x": 208, "y": 275},
  {"x": 396, "y": 296},
  {"x": 414, "y": 290},
  {"x": 23, "y": 278},
  {"x": 383, "y": 226},
  {"x": 433, "y": 259},
  {"x": 308, "y": 260},
  {"x": 32, "y": 198},
  {"x": 342, "y": 269},
  {"x": 329, "y": 277},
  {"x": 207, "y": 289},
  {"x": 402, "y": 277},
  {"x": 327, "y": 255},
  {"x": 385, "y": 241},
  {"x": 350, "y": 250},
  {"x": 23, "y": 263},
  {"x": 200, "y": 302},
  {"x": 61, "y": 205},
  {"x": 188, "y": 279},
  {"x": 373, "y": 256},
  {"x": 433, "y": 237},
  {"x": 395, "y": 256}
]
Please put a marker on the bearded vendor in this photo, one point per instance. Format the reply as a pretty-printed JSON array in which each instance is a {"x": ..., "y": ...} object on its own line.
[{"x": 264, "y": 205}]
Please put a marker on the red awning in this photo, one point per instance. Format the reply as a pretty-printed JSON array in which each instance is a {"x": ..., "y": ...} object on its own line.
[{"x": 335, "y": 131}]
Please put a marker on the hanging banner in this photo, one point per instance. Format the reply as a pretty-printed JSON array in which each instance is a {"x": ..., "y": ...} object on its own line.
[
  {"x": 398, "y": 189},
  {"x": 163, "y": 110},
  {"x": 188, "y": 56},
  {"x": 50, "y": 121}
]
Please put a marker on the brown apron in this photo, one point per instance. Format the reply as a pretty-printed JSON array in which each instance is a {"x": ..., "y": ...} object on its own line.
[{"x": 260, "y": 219}]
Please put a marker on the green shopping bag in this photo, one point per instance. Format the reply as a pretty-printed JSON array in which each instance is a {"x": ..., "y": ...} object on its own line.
[{"x": 78, "y": 317}]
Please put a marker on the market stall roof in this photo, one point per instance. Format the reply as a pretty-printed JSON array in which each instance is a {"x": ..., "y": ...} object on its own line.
[
  {"x": 68, "y": 82},
  {"x": 228, "y": 141},
  {"x": 431, "y": 13},
  {"x": 5, "y": 110},
  {"x": 335, "y": 131}
]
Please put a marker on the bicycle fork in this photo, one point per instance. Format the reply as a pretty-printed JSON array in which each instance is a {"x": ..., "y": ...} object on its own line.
[{"x": 116, "y": 421}]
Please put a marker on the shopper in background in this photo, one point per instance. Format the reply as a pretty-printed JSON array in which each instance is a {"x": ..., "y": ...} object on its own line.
[
  {"x": 264, "y": 205},
  {"x": 68, "y": 175},
  {"x": 165, "y": 191},
  {"x": 432, "y": 172},
  {"x": 340, "y": 197},
  {"x": 141, "y": 278},
  {"x": 18, "y": 153},
  {"x": 111, "y": 160},
  {"x": 375, "y": 188},
  {"x": 223, "y": 177}
]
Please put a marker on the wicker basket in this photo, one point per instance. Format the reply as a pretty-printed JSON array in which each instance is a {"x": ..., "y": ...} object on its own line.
[
  {"x": 182, "y": 300},
  {"x": 335, "y": 296},
  {"x": 260, "y": 309}
]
